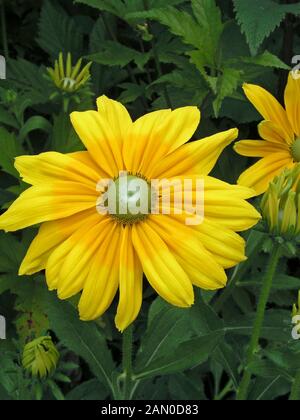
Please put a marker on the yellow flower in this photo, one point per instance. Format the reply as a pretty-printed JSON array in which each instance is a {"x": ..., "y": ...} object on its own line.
[
  {"x": 280, "y": 131},
  {"x": 40, "y": 357},
  {"x": 84, "y": 250}
]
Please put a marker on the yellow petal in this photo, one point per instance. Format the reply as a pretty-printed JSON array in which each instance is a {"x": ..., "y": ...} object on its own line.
[
  {"x": 131, "y": 282},
  {"x": 45, "y": 203},
  {"x": 198, "y": 157},
  {"x": 138, "y": 146},
  {"x": 83, "y": 246},
  {"x": 163, "y": 271},
  {"x": 57, "y": 277},
  {"x": 270, "y": 109},
  {"x": 176, "y": 129},
  {"x": 292, "y": 102},
  {"x": 117, "y": 118},
  {"x": 99, "y": 139},
  {"x": 227, "y": 247},
  {"x": 185, "y": 244},
  {"x": 256, "y": 148},
  {"x": 52, "y": 167},
  {"x": 271, "y": 132},
  {"x": 103, "y": 279},
  {"x": 264, "y": 171},
  {"x": 50, "y": 236}
]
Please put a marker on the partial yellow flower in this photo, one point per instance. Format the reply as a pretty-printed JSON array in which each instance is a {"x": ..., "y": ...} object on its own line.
[
  {"x": 280, "y": 131},
  {"x": 100, "y": 254}
]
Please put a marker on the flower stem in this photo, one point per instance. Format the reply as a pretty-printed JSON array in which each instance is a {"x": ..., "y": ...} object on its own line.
[
  {"x": 127, "y": 361},
  {"x": 262, "y": 303},
  {"x": 295, "y": 393}
]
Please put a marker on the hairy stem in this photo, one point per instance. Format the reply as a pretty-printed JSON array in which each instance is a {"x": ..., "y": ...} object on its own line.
[{"x": 260, "y": 314}]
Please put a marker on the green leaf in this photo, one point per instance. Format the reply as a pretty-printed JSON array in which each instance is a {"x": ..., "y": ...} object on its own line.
[
  {"x": 259, "y": 18},
  {"x": 35, "y": 123},
  {"x": 64, "y": 138},
  {"x": 91, "y": 390},
  {"x": 58, "y": 32},
  {"x": 84, "y": 338},
  {"x": 266, "y": 59},
  {"x": 167, "y": 329},
  {"x": 280, "y": 282},
  {"x": 115, "y": 54},
  {"x": 209, "y": 18},
  {"x": 228, "y": 83},
  {"x": 10, "y": 148},
  {"x": 187, "y": 355}
]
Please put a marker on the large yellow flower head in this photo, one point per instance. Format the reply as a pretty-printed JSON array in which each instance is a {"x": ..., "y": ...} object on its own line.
[
  {"x": 87, "y": 250},
  {"x": 280, "y": 131}
]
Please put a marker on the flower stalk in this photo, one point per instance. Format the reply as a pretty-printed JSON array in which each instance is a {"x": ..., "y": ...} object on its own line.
[{"x": 261, "y": 308}]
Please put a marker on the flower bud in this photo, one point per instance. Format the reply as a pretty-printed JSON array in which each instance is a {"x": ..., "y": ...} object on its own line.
[
  {"x": 40, "y": 357},
  {"x": 67, "y": 77},
  {"x": 280, "y": 205}
]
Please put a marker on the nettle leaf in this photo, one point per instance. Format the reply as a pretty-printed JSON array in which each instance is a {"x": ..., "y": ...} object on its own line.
[
  {"x": 266, "y": 59},
  {"x": 83, "y": 338},
  {"x": 259, "y": 18},
  {"x": 180, "y": 23},
  {"x": 122, "y": 8},
  {"x": 115, "y": 54},
  {"x": 209, "y": 18},
  {"x": 10, "y": 148},
  {"x": 228, "y": 83},
  {"x": 29, "y": 78},
  {"x": 58, "y": 32},
  {"x": 32, "y": 320}
]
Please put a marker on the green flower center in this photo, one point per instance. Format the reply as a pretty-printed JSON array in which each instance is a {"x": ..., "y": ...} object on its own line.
[
  {"x": 129, "y": 199},
  {"x": 296, "y": 150}
]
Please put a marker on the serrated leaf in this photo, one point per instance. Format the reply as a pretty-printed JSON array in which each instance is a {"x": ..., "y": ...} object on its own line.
[
  {"x": 259, "y": 18},
  {"x": 115, "y": 54},
  {"x": 58, "y": 31},
  {"x": 228, "y": 83},
  {"x": 266, "y": 59}
]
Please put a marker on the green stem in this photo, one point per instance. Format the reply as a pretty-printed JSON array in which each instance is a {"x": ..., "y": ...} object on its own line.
[
  {"x": 127, "y": 361},
  {"x": 260, "y": 314},
  {"x": 295, "y": 393},
  {"x": 4, "y": 31}
]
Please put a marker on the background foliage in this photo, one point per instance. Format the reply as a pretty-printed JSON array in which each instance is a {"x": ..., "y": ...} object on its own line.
[{"x": 149, "y": 54}]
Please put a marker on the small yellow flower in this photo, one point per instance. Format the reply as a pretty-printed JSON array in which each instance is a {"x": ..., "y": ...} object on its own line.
[
  {"x": 67, "y": 77},
  {"x": 281, "y": 205},
  {"x": 40, "y": 357},
  {"x": 280, "y": 131},
  {"x": 296, "y": 310},
  {"x": 99, "y": 254}
]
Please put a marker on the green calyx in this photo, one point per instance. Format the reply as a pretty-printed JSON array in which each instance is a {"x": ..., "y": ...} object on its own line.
[
  {"x": 129, "y": 199},
  {"x": 296, "y": 150}
]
